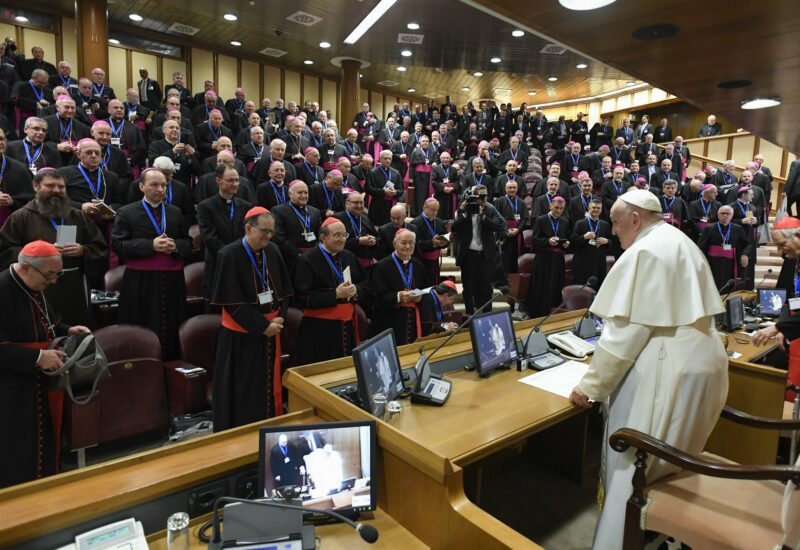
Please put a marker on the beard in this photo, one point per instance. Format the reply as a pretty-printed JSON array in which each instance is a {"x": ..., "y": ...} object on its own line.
[{"x": 52, "y": 206}]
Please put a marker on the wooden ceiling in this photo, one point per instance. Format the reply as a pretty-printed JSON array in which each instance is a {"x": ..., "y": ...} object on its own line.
[
  {"x": 718, "y": 41},
  {"x": 458, "y": 40}
]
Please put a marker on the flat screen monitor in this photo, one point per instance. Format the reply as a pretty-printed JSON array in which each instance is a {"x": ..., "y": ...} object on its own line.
[
  {"x": 771, "y": 300},
  {"x": 378, "y": 371},
  {"x": 734, "y": 313},
  {"x": 494, "y": 343},
  {"x": 331, "y": 463}
]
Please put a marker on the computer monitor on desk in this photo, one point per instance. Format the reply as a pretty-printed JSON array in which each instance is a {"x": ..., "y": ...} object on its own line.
[
  {"x": 331, "y": 464},
  {"x": 494, "y": 343},
  {"x": 734, "y": 313},
  {"x": 378, "y": 371},
  {"x": 771, "y": 300}
]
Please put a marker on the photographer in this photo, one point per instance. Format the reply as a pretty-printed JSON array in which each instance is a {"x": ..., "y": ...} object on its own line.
[{"x": 476, "y": 227}]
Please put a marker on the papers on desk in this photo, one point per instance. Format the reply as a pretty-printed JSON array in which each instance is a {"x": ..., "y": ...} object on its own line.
[{"x": 559, "y": 380}]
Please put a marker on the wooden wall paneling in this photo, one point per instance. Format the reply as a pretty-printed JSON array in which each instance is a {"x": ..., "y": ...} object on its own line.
[
  {"x": 226, "y": 76},
  {"x": 330, "y": 97},
  {"x": 742, "y": 149},
  {"x": 171, "y": 65},
  {"x": 283, "y": 86},
  {"x": 311, "y": 88},
  {"x": 773, "y": 156},
  {"x": 69, "y": 48},
  {"x": 7, "y": 29},
  {"x": 201, "y": 67},
  {"x": 363, "y": 96},
  {"x": 250, "y": 80},
  {"x": 59, "y": 53},
  {"x": 117, "y": 76},
  {"x": 271, "y": 83},
  {"x": 45, "y": 40},
  {"x": 149, "y": 62},
  {"x": 717, "y": 149},
  {"x": 377, "y": 104},
  {"x": 292, "y": 87},
  {"x": 215, "y": 71},
  {"x": 128, "y": 72}
]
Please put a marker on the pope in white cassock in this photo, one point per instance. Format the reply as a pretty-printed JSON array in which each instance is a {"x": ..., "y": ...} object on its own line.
[{"x": 660, "y": 366}]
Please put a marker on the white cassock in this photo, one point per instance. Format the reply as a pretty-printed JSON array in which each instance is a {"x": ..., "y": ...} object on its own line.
[{"x": 660, "y": 366}]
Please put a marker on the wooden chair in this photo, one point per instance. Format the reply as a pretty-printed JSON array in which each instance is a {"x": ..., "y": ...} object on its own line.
[{"x": 711, "y": 503}]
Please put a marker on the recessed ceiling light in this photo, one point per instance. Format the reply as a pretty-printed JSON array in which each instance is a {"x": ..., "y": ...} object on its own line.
[
  {"x": 235, "y": 43},
  {"x": 360, "y": 75},
  {"x": 532, "y": 92},
  {"x": 229, "y": 17},
  {"x": 21, "y": 19},
  {"x": 581, "y": 66},
  {"x": 477, "y": 73},
  {"x": 656, "y": 32},
  {"x": 465, "y": 89},
  {"x": 583, "y": 5},
  {"x": 761, "y": 103},
  {"x": 502, "y": 90},
  {"x": 412, "y": 90},
  {"x": 495, "y": 60},
  {"x": 552, "y": 78},
  {"x": 413, "y": 26},
  {"x": 517, "y": 33},
  {"x": 324, "y": 44},
  {"x": 401, "y": 69},
  {"x": 113, "y": 41},
  {"x": 135, "y": 17},
  {"x": 308, "y": 62},
  {"x": 406, "y": 53}
]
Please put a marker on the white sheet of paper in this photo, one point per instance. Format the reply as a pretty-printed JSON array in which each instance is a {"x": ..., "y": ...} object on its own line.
[
  {"x": 66, "y": 234},
  {"x": 346, "y": 275},
  {"x": 559, "y": 380}
]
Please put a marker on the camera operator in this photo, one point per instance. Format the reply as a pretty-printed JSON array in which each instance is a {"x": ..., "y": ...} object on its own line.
[{"x": 477, "y": 226}]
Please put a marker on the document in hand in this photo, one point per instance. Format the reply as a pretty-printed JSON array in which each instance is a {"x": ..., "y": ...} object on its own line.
[{"x": 558, "y": 380}]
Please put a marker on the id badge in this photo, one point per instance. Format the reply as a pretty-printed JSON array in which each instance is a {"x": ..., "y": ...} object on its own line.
[
  {"x": 389, "y": 185},
  {"x": 286, "y": 460},
  {"x": 33, "y": 169},
  {"x": 116, "y": 141},
  {"x": 704, "y": 219},
  {"x": 265, "y": 297},
  {"x": 309, "y": 236},
  {"x": 177, "y": 167},
  {"x": 516, "y": 217},
  {"x": 427, "y": 161},
  {"x": 574, "y": 168},
  {"x": 131, "y": 116},
  {"x": 794, "y": 304},
  {"x": 446, "y": 181},
  {"x": 726, "y": 247},
  {"x": 330, "y": 152},
  {"x": 89, "y": 112},
  {"x": 593, "y": 242},
  {"x": 213, "y": 144}
]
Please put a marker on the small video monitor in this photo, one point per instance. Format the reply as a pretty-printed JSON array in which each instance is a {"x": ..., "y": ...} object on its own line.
[
  {"x": 378, "y": 371},
  {"x": 734, "y": 313},
  {"x": 494, "y": 343},
  {"x": 331, "y": 463},
  {"x": 771, "y": 301}
]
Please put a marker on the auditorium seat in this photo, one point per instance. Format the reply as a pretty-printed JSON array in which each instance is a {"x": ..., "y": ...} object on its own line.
[
  {"x": 527, "y": 238},
  {"x": 112, "y": 280},
  {"x": 190, "y": 392},
  {"x": 520, "y": 282},
  {"x": 193, "y": 279},
  {"x": 197, "y": 244},
  {"x": 568, "y": 269},
  {"x": 363, "y": 325},
  {"x": 576, "y": 297},
  {"x": 132, "y": 400}
]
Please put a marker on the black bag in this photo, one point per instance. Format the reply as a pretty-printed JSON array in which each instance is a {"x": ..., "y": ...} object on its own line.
[{"x": 85, "y": 365}]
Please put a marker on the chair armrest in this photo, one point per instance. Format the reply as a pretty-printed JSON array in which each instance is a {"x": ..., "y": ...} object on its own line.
[
  {"x": 746, "y": 419},
  {"x": 623, "y": 439}
]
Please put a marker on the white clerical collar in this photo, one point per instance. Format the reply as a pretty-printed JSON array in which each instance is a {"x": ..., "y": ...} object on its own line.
[
  {"x": 648, "y": 229},
  {"x": 151, "y": 204},
  {"x": 327, "y": 249}
]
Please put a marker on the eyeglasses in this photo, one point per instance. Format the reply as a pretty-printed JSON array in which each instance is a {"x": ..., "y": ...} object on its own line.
[
  {"x": 340, "y": 235},
  {"x": 406, "y": 243},
  {"x": 265, "y": 230},
  {"x": 49, "y": 275}
]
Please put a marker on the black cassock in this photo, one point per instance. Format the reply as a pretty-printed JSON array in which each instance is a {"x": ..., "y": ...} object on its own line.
[
  {"x": 702, "y": 213},
  {"x": 322, "y": 335},
  {"x": 247, "y": 374},
  {"x": 547, "y": 273},
  {"x": 712, "y": 242},
  {"x": 589, "y": 259},
  {"x": 357, "y": 227},
  {"x": 17, "y": 181},
  {"x": 152, "y": 292},
  {"x": 425, "y": 230},
  {"x": 291, "y": 224},
  {"x": 221, "y": 223},
  {"x": 269, "y": 194},
  {"x": 27, "y": 428},
  {"x": 446, "y": 178},
  {"x": 517, "y": 216},
  {"x": 379, "y": 204},
  {"x": 325, "y": 199},
  {"x": 385, "y": 283}
]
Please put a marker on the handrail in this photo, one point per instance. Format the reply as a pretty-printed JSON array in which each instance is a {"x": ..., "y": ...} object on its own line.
[
  {"x": 720, "y": 136},
  {"x": 775, "y": 178}
]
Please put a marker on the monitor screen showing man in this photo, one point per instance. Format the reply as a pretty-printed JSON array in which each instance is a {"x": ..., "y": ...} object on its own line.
[
  {"x": 493, "y": 341},
  {"x": 378, "y": 371},
  {"x": 771, "y": 300}
]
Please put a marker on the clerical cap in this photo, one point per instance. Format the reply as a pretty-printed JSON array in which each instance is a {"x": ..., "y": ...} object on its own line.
[
  {"x": 742, "y": 189},
  {"x": 335, "y": 173},
  {"x": 39, "y": 249},
  {"x": 642, "y": 198},
  {"x": 787, "y": 222},
  {"x": 100, "y": 123},
  {"x": 558, "y": 198},
  {"x": 495, "y": 141},
  {"x": 708, "y": 186},
  {"x": 310, "y": 150},
  {"x": 255, "y": 211},
  {"x": 447, "y": 287},
  {"x": 330, "y": 220},
  {"x": 215, "y": 111},
  {"x": 584, "y": 175},
  {"x": 605, "y": 148},
  {"x": 401, "y": 230}
]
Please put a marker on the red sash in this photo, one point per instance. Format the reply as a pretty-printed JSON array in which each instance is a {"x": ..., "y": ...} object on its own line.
[
  {"x": 670, "y": 218},
  {"x": 159, "y": 262},
  {"x": 340, "y": 312},
  {"x": 277, "y": 386},
  {"x": 55, "y": 399},
  {"x": 366, "y": 262},
  {"x": 415, "y": 307},
  {"x": 701, "y": 226},
  {"x": 376, "y": 149},
  {"x": 716, "y": 251}
]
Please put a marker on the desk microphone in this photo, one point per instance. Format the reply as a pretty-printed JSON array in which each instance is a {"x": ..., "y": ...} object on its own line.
[
  {"x": 422, "y": 368},
  {"x": 764, "y": 278},
  {"x": 732, "y": 285},
  {"x": 367, "y": 532},
  {"x": 591, "y": 281}
]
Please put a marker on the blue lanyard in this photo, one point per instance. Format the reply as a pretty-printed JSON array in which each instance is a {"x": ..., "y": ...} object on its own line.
[
  {"x": 514, "y": 153},
  {"x": 436, "y": 305},
  {"x": 104, "y": 160},
  {"x": 617, "y": 189},
  {"x": 169, "y": 194},
  {"x": 339, "y": 274},
  {"x": 617, "y": 153},
  {"x": 356, "y": 228},
  {"x": 387, "y": 173},
  {"x": 281, "y": 196},
  {"x": 514, "y": 203},
  {"x": 132, "y": 108},
  {"x": 595, "y": 228},
  {"x": 431, "y": 228},
  {"x": 55, "y": 226},
  {"x": 575, "y": 159},
  {"x": 304, "y": 220},
  {"x": 312, "y": 173},
  {"x": 214, "y": 134},
  {"x": 95, "y": 190},
  {"x": 406, "y": 280},
  {"x": 64, "y": 134},
  {"x": 65, "y": 81},
  {"x": 349, "y": 146},
  {"x": 36, "y": 153},
  {"x": 741, "y": 208},
  {"x": 404, "y": 147},
  {"x": 114, "y": 130},
  {"x": 585, "y": 201},
  {"x": 99, "y": 91},
  {"x": 319, "y": 141},
  {"x": 425, "y": 153},
  {"x": 328, "y": 196},
  {"x": 479, "y": 181},
  {"x": 668, "y": 207},
  {"x": 552, "y": 226},
  {"x": 549, "y": 199},
  {"x": 706, "y": 209},
  {"x": 726, "y": 237},
  {"x": 39, "y": 95},
  {"x": 263, "y": 275},
  {"x": 258, "y": 152},
  {"x": 159, "y": 230}
]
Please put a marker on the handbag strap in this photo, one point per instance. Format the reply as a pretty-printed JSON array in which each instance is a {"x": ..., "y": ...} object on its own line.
[
  {"x": 97, "y": 378},
  {"x": 68, "y": 364}
]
